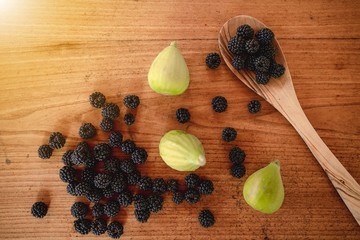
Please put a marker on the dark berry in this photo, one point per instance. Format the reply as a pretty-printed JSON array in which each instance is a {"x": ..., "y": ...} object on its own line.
[
  {"x": 112, "y": 165},
  {"x": 82, "y": 188},
  {"x": 262, "y": 64},
  {"x": 142, "y": 215},
  {"x": 88, "y": 175},
  {"x": 213, "y": 60},
  {"x": 139, "y": 156},
  {"x": 108, "y": 192},
  {"x": 94, "y": 195},
  {"x": 145, "y": 183},
  {"x": 67, "y": 174},
  {"x": 99, "y": 226},
  {"x": 128, "y": 146},
  {"x": 110, "y": 110},
  {"x": 112, "y": 208},
  {"x": 172, "y": 185},
  {"x": 236, "y": 45},
  {"x": 129, "y": 119},
  {"x": 252, "y": 46},
  {"x": 80, "y": 154},
  {"x": 97, "y": 99},
  {"x": 115, "y": 230},
  {"x": 90, "y": 161},
  {"x": 79, "y": 210},
  {"x": 39, "y": 209},
  {"x": 192, "y": 196},
  {"x": 245, "y": 31},
  {"x": 102, "y": 151},
  {"x": 219, "y": 104},
  {"x": 182, "y": 115},
  {"x": 127, "y": 166},
  {"x": 192, "y": 180},
  {"x": 102, "y": 180},
  {"x": 56, "y": 140},
  {"x": 254, "y": 107},
  {"x": 155, "y": 203},
  {"x": 237, "y": 170},
  {"x": 276, "y": 70},
  {"x": 262, "y": 78},
  {"x": 82, "y": 226},
  {"x": 107, "y": 124},
  {"x": 178, "y": 197},
  {"x": 250, "y": 63},
  {"x": 264, "y": 36},
  {"x": 267, "y": 51},
  {"x": 66, "y": 158},
  {"x": 206, "y": 187},
  {"x": 70, "y": 188},
  {"x": 238, "y": 62},
  {"x": 119, "y": 182},
  {"x": 115, "y": 139},
  {"x": 125, "y": 198},
  {"x": 45, "y": 151},
  {"x": 237, "y": 155},
  {"x": 133, "y": 177},
  {"x": 229, "y": 134},
  {"x": 140, "y": 202},
  {"x": 159, "y": 186},
  {"x": 97, "y": 210},
  {"x": 87, "y": 130},
  {"x": 131, "y": 101},
  {"x": 206, "y": 218}
]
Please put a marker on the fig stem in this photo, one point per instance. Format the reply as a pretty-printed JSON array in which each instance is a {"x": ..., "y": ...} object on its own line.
[
  {"x": 202, "y": 160},
  {"x": 277, "y": 162},
  {"x": 174, "y": 44}
]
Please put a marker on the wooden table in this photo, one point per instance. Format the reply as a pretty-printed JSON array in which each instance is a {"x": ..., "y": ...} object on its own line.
[{"x": 54, "y": 54}]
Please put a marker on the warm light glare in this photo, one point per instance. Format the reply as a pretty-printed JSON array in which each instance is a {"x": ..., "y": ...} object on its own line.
[{"x": 6, "y": 6}]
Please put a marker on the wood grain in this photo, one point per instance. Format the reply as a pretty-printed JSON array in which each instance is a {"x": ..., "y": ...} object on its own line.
[{"x": 53, "y": 54}]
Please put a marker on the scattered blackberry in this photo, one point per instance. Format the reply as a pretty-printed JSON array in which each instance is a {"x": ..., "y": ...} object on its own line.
[
  {"x": 108, "y": 192},
  {"x": 213, "y": 60},
  {"x": 82, "y": 188},
  {"x": 112, "y": 165},
  {"x": 110, "y": 110},
  {"x": 139, "y": 156},
  {"x": 97, "y": 99},
  {"x": 115, "y": 139},
  {"x": 254, "y": 107},
  {"x": 82, "y": 226},
  {"x": 129, "y": 119},
  {"x": 112, "y": 208},
  {"x": 264, "y": 36},
  {"x": 102, "y": 151},
  {"x": 252, "y": 46},
  {"x": 267, "y": 51},
  {"x": 79, "y": 210},
  {"x": 238, "y": 62},
  {"x": 127, "y": 166},
  {"x": 206, "y": 187},
  {"x": 206, "y": 218},
  {"x": 97, "y": 210},
  {"x": 237, "y": 170},
  {"x": 229, "y": 134},
  {"x": 237, "y": 155},
  {"x": 99, "y": 226},
  {"x": 45, "y": 151},
  {"x": 128, "y": 146},
  {"x": 140, "y": 202},
  {"x": 145, "y": 183},
  {"x": 80, "y": 154},
  {"x": 67, "y": 174},
  {"x": 119, "y": 182},
  {"x": 66, "y": 158},
  {"x": 245, "y": 31},
  {"x": 250, "y": 63},
  {"x": 155, "y": 203},
  {"x": 182, "y": 115},
  {"x": 178, "y": 198},
  {"x": 133, "y": 177},
  {"x": 87, "y": 130},
  {"x": 172, "y": 185},
  {"x": 159, "y": 186},
  {"x": 142, "y": 215},
  {"x": 192, "y": 180},
  {"x": 106, "y": 124},
  {"x": 236, "y": 45},
  {"x": 219, "y": 104},
  {"x": 90, "y": 161},
  {"x": 131, "y": 101},
  {"x": 262, "y": 64},
  {"x": 88, "y": 175},
  {"x": 115, "y": 230},
  {"x": 276, "y": 70},
  {"x": 262, "y": 78},
  {"x": 56, "y": 140},
  {"x": 83, "y": 146},
  {"x": 39, "y": 209},
  {"x": 94, "y": 195},
  {"x": 70, "y": 188},
  {"x": 102, "y": 180},
  {"x": 125, "y": 198},
  {"x": 192, "y": 196}
]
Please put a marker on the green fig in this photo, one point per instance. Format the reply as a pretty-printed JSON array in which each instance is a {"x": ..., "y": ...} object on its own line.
[
  {"x": 264, "y": 189},
  {"x": 169, "y": 74}
]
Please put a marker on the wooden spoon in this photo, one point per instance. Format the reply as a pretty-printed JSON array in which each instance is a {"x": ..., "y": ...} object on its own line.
[{"x": 280, "y": 93}]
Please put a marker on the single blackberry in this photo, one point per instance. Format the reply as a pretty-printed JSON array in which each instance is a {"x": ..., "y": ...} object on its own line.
[
  {"x": 82, "y": 188},
  {"x": 264, "y": 36},
  {"x": 45, "y": 151},
  {"x": 99, "y": 227},
  {"x": 115, "y": 139},
  {"x": 276, "y": 70},
  {"x": 192, "y": 180},
  {"x": 112, "y": 208},
  {"x": 87, "y": 130},
  {"x": 108, "y": 192},
  {"x": 172, "y": 185},
  {"x": 229, "y": 134},
  {"x": 90, "y": 161},
  {"x": 79, "y": 210},
  {"x": 213, "y": 60},
  {"x": 112, "y": 165},
  {"x": 125, "y": 198},
  {"x": 66, "y": 158},
  {"x": 83, "y": 146},
  {"x": 110, "y": 110},
  {"x": 245, "y": 31},
  {"x": 129, "y": 119},
  {"x": 251, "y": 46},
  {"x": 131, "y": 101},
  {"x": 236, "y": 45},
  {"x": 262, "y": 78},
  {"x": 115, "y": 230},
  {"x": 267, "y": 51},
  {"x": 219, "y": 104},
  {"x": 206, "y": 187},
  {"x": 82, "y": 226},
  {"x": 94, "y": 195},
  {"x": 106, "y": 124},
  {"x": 39, "y": 209},
  {"x": 70, "y": 188},
  {"x": 102, "y": 180},
  {"x": 142, "y": 215},
  {"x": 97, "y": 210},
  {"x": 128, "y": 146},
  {"x": 88, "y": 175},
  {"x": 262, "y": 64},
  {"x": 119, "y": 182},
  {"x": 192, "y": 196},
  {"x": 145, "y": 183},
  {"x": 102, "y": 151},
  {"x": 206, "y": 218},
  {"x": 250, "y": 63},
  {"x": 133, "y": 177},
  {"x": 56, "y": 140},
  {"x": 178, "y": 197},
  {"x": 127, "y": 166},
  {"x": 237, "y": 170},
  {"x": 238, "y": 62},
  {"x": 237, "y": 155},
  {"x": 159, "y": 186},
  {"x": 139, "y": 156},
  {"x": 80, "y": 154},
  {"x": 140, "y": 202},
  {"x": 182, "y": 115},
  {"x": 254, "y": 107},
  {"x": 97, "y": 99},
  {"x": 155, "y": 203},
  {"x": 67, "y": 174}
]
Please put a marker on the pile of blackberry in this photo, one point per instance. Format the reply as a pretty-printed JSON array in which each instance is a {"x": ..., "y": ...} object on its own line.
[{"x": 237, "y": 157}]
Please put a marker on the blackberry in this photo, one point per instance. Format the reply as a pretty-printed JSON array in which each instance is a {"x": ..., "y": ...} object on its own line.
[
  {"x": 129, "y": 119},
  {"x": 94, "y": 195},
  {"x": 80, "y": 154},
  {"x": 70, "y": 188},
  {"x": 192, "y": 180},
  {"x": 87, "y": 130},
  {"x": 97, "y": 99},
  {"x": 82, "y": 226},
  {"x": 83, "y": 146},
  {"x": 102, "y": 180},
  {"x": 250, "y": 63},
  {"x": 276, "y": 70},
  {"x": 229, "y": 134},
  {"x": 106, "y": 124},
  {"x": 267, "y": 51},
  {"x": 264, "y": 36},
  {"x": 110, "y": 110},
  {"x": 79, "y": 210},
  {"x": 192, "y": 196},
  {"x": 82, "y": 188},
  {"x": 99, "y": 226},
  {"x": 88, "y": 175},
  {"x": 45, "y": 151},
  {"x": 262, "y": 64},
  {"x": 133, "y": 177},
  {"x": 142, "y": 215},
  {"x": 125, "y": 198},
  {"x": 108, "y": 192},
  {"x": 236, "y": 45},
  {"x": 145, "y": 183},
  {"x": 56, "y": 140},
  {"x": 112, "y": 165},
  {"x": 139, "y": 156},
  {"x": 131, "y": 101},
  {"x": 245, "y": 31},
  {"x": 237, "y": 155},
  {"x": 213, "y": 60},
  {"x": 67, "y": 174},
  {"x": 128, "y": 146},
  {"x": 115, "y": 139},
  {"x": 238, "y": 62},
  {"x": 155, "y": 203},
  {"x": 252, "y": 46},
  {"x": 91, "y": 161},
  {"x": 102, "y": 151},
  {"x": 182, "y": 115},
  {"x": 219, "y": 104},
  {"x": 237, "y": 170},
  {"x": 119, "y": 182},
  {"x": 262, "y": 78},
  {"x": 206, "y": 218},
  {"x": 159, "y": 186},
  {"x": 206, "y": 187},
  {"x": 39, "y": 209},
  {"x": 66, "y": 158},
  {"x": 140, "y": 202},
  {"x": 97, "y": 210},
  {"x": 172, "y": 185},
  {"x": 178, "y": 198},
  {"x": 115, "y": 230},
  {"x": 254, "y": 107},
  {"x": 112, "y": 208},
  {"x": 127, "y": 166}
]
